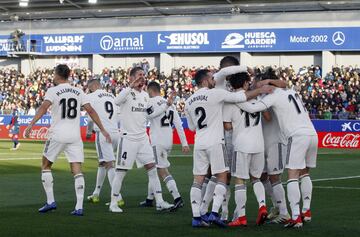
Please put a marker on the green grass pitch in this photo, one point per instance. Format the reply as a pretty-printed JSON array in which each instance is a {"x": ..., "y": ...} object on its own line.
[{"x": 335, "y": 206}]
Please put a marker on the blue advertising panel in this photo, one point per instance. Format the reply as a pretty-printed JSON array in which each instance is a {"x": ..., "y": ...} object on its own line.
[
  {"x": 44, "y": 121},
  {"x": 201, "y": 41}
]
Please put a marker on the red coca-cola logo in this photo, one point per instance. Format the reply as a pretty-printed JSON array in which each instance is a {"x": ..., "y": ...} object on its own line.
[
  {"x": 41, "y": 133},
  {"x": 348, "y": 140}
]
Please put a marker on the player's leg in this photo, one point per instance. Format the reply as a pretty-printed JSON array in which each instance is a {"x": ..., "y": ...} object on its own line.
[
  {"x": 305, "y": 180},
  {"x": 240, "y": 201},
  {"x": 79, "y": 183},
  {"x": 146, "y": 157},
  {"x": 100, "y": 177},
  {"x": 75, "y": 155},
  {"x": 208, "y": 196},
  {"x": 125, "y": 158},
  {"x": 15, "y": 140},
  {"x": 200, "y": 170},
  {"x": 279, "y": 195},
  {"x": 51, "y": 151},
  {"x": 229, "y": 159},
  {"x": 274, "y": 211},
  {"x": 295, "y": 162},
  {"x": 257, "y": 164},
  {"x": 205, "y": 183},
  {"x": 219, "y": 168},
  {"x": 171, "y": 186}
]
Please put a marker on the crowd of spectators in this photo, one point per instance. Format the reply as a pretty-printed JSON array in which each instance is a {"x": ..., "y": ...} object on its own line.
[{"x": 333, "y": 95}]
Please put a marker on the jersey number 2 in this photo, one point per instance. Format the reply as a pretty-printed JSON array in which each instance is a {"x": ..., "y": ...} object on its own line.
[
  {"x": 69, "y": 108},
  {"x": 201, "y": 110}
]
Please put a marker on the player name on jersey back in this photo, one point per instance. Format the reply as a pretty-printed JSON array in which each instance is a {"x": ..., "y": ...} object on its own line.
[{"x": 66, "y": 102}]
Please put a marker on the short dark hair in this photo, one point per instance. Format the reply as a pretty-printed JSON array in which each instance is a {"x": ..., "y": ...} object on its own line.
[
  {"x": 229, "y": 60},
  {"x": 92, "y": 81},
  {"x": 153, "y": 85},
  {"x": 238, "y": 80},
  {"x": 63, "y": 71},
  {"x": 134, "y": 70},
  {"x": 200, "y": 75}
]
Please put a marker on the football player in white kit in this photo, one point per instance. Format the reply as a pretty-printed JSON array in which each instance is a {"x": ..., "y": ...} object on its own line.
[
  {"x": 161, "y": 137},
  {"x": 104, "y": 104},
  {"x": 302, "y": 143},
  {"x": 65, "y": 101},
  {"x": 228, "y": 65},
  {"x": 134, "y": 141},
  {"x": 204, "y": 114},
  {"x": 248, "y": 160}
]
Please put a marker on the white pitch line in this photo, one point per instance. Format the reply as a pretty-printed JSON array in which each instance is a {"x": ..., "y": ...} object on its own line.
[
  {"x": 335, "y": 187},
  {"x": 338, "y": 178}
]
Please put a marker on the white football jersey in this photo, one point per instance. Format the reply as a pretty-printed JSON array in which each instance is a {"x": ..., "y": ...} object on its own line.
[
  {"x": 247, "y": 128},
  {"x": 161, "y": 126},
  {"x": 104, "y": 104},
  {"x": 133, "y": 105},
  {"x": 289, "y": 109},
  {"x": 204, "y": 114},
  {"x": 271, "y": 131},
  {"x": 66, "y": 101}
]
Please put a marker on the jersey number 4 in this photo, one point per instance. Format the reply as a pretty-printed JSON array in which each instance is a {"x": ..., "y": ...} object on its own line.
[{"x": 68, "y": 108}]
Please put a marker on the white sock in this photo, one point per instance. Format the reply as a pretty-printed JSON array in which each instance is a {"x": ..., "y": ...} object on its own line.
[
  {"x": 209, "y": 193},
  {"x": 79, "y": 190},
  {"x": 171, "y": 186},
  {"x": 306, "y": 192},
  {"x": 100, "y": 177},
  {"x": 293, "y": 194},
  {"x": 195, "y": 199},
  {"x": 219, "y": 195},
  {"x": 259, "y": 191},
  {"x": 150, "y": 195},
  {"x": 269, "y": 191},
  {"x": 111, "y": 175},
  {"x": 279, "y": 194},
  {"x": 203, "y": 187},
  {"x": 48, "y": 184},
  {"x": 155, "y": 185},
  {"x": 225, "y": 204},
  {"x": 116, "y": 186},
  {"x": 240, "y": 199}
]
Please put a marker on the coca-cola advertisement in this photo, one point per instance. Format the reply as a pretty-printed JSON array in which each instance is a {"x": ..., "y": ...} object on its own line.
[{"x": 339, "y": 140}]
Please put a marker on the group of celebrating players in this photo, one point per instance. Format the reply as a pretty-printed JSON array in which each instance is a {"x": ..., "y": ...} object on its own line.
[{"x": 245, "y": 129}]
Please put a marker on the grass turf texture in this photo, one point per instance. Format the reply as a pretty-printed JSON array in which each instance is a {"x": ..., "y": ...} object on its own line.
[{"x": 335, "y": 203}]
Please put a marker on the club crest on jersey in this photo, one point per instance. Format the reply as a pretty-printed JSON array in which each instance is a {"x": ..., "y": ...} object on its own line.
[{"x": 133, "y": 95}]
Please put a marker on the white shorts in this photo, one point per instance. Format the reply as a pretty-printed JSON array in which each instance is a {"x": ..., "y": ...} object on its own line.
[
  {"x": 74, "y": 152},
  {"x": 128, "y": 151},
  {"x": 161, "y": 156},
  {"x": 275, "y": 158},
  {"x": 105, "y": 150},
  {"x": 246, "y": 164},
  {"x": 215, "y": 157},
  {"x": 301, "y": 152}
]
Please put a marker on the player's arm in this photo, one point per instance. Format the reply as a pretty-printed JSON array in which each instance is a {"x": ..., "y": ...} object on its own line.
[
  {"x": 242, "y": 96},
  {"x": 190, "y": 123},
  {"x": 227, "y": 117},
  {"x": 276, "y": 83},
  {"x": 267, "y": 115},
  {"x": 261, "y": 105},
  {"x": 153, "y": 110},
  {"x": 180, "y": 132},
  {"x": 121, "y": 98},
  {"x": 221, "y": 75},
  {"x": 39, "y": 113},
  {"x": 95, "y": 117}
]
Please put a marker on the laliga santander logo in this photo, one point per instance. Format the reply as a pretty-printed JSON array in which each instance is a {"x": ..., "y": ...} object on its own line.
[
  {"x": 41, "y": 133},
  {"x": 346, "y": 141}
]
